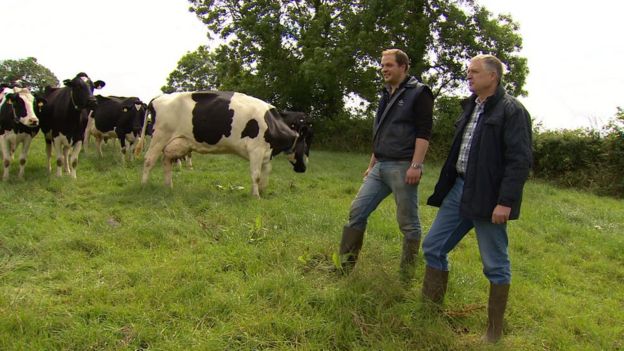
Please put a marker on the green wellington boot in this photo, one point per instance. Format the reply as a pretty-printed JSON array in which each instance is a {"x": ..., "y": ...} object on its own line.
[
  {"x": 408, "y": 257},
  {"x": 350, "y": 246},
  {"x": 434, "y": 284},
  {"x": 496, "y": 310}
]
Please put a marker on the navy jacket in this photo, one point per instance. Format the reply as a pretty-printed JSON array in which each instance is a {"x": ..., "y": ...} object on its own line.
[
  {"x": 401, "y": 118},
  {"x": 499, "y": 161}
]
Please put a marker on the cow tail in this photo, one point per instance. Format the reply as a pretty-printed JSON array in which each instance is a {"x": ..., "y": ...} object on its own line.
[
  {"x": 139, "y": 148},
  {"x": 87, "y": 132}
]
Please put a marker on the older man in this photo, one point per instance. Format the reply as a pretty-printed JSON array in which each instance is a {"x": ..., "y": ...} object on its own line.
[{"x": 480, "y": 186}]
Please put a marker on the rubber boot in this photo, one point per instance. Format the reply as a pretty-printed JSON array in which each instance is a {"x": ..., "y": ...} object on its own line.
[
  {"x": 350, "y": 246},
  {"x": 434, "y": 284},
  {"x": 496, "y": 310},
  {"x": 408, "y": 258}
]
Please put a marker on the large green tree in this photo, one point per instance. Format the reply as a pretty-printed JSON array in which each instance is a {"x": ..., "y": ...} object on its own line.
[
  {"x": 195, "y": 72},
  {"x": 27, "y": 71},
  {"x": 309, "y": 54}
]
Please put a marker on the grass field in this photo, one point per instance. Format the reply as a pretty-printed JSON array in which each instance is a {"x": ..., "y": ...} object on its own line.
[{"x": 103, "y": 263}]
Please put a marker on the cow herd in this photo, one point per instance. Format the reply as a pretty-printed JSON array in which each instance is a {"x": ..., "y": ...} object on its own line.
[{"x": 179, "y": 123}]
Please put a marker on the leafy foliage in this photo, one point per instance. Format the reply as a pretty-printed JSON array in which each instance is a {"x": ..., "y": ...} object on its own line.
[
  {"x": 29, "y": 72},
  {"x": 583, "y": 158},
  {"x": 447, "y": 111},
  {"x": 195, "y": 72},
  {"x": 308, "y": 55}
]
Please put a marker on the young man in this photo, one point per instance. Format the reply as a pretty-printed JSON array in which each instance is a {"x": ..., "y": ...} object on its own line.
[
  {"x": 400, "y": 140},
  {"x": 480, "y": 186}
]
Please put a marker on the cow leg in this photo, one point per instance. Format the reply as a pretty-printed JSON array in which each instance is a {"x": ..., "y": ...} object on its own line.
[
  {"x": 73, "y": 158},
  {"x": 189, "y": 161},
  {"x": 175, "y": 150},
  {"x": 6, "y": 157},
  {"x": 60, "y": 158},
  {"x": 98, "y": 145},
  {"x": 87, "y": 133},
  {"x": 256, "y": 160},
  {"x": 66, "y": 164},
  {"x": 155, "y": 149},
  {"x": 168, "y": 170},
  {"x": 124, "y": 150},
  {"x": 264, "y": 174},
  {"x": 49, "y": 154},
  {"x": 25, "y": 148},
  {"x": 13, "y": 146}
]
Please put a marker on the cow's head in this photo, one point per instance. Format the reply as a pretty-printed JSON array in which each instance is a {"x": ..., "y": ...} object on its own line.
[
  {"x": 23, "y": 104},
  {"x": 132, "y": 117},
  {"x": 82, "y": 91},
  {"x": 299, "y": 122}
]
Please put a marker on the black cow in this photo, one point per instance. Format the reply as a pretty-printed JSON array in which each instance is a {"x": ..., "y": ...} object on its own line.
[
  {"x": 120, "y": 117},
  {"x": 18, "y": 125},
  {"x": 221, "y": 122},
  {"x": 63, "y": 123}
]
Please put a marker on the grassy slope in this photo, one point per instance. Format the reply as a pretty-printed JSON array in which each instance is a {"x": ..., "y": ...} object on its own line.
[{"x": 103, "y": 263}]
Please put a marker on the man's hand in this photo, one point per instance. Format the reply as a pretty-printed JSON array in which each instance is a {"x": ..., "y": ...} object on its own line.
[
  {"x": 413, "y": 175},
  {"x": 501, "y": 214}
]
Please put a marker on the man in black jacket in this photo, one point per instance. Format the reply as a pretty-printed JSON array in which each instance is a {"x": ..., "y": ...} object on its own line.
[
  {"x": 401, "y": 134},
  {"x": 481, "y": 186}
]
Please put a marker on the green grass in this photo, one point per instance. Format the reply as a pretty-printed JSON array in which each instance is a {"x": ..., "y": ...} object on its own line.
[{"x": 103, "y": 263}]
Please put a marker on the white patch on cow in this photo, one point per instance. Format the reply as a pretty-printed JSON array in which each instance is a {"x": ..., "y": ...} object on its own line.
[
  {"x": 84, "y": 79},
  {"x": 30, "y": 120},
  {"x": 138, "y": 106}
]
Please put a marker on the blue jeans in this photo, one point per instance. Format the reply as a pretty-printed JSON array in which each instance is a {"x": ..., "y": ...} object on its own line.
[
  {"x": 449, "y": 228},
  {"x": 387, "y": 177}
]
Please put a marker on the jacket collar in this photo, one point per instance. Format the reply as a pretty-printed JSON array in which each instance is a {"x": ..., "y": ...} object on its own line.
[
  {"x": 490, "y": 101},
  {"x": 408, "y": 82}
]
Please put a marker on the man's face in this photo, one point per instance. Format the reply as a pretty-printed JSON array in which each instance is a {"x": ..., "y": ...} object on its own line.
[
  {"x": 392, "y": 73},
  {"x": 479, "y": 79}
]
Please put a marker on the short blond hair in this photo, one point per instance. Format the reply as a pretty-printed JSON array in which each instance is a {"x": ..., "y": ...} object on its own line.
[
  {"x": 400, "y": 56},
  {"x": 491, "y": 63}
]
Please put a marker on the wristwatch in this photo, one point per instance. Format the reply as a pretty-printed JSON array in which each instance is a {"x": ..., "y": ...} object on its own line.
[{"x": 418, "y": 166}]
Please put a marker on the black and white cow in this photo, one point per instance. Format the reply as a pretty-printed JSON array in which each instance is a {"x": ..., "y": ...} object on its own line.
[
  {"x": 18, "y": 125},
  {"x": 117, "y": 117},
  {"x": 63, "y": 123},
  {"x": 221, "y": 122}
]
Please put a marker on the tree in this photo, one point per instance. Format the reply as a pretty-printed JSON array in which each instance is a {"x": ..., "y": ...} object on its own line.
[
  {"x": 309, "y": 54},
  {"x": 195, "y": 72},
  {"x": 27, "y": 71}
]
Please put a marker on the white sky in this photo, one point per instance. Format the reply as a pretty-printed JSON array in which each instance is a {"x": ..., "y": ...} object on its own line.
[{"x": 575, "y": 50}]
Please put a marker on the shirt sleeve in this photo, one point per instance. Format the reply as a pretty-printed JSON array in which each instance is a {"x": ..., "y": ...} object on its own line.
[{"x": 423, "y": 112}]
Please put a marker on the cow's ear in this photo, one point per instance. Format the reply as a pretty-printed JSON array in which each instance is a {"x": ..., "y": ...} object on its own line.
[
  {"x": 40, "y": 101},
  {"x": 99, "y": 84},
  {"x": 67, "y": 82}
]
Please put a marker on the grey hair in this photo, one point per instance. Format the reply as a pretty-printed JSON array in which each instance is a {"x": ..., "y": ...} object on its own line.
[{"x": 491, "y": 64}]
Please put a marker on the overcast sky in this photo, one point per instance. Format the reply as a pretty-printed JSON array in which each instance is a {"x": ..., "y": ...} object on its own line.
[{"x": 574, "y": 49}]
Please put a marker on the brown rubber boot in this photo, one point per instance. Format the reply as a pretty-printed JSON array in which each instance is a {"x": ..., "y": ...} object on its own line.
[
  {"x": 408, "y": 258},
  {"x": 410, "y": 251},
  {"x": 350, "y": 246},
  {"x": 434, "y": 284},
  {"x": 496, "y": 311}
]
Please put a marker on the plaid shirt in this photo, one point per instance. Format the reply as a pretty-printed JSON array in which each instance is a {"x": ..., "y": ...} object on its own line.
[{"x": 464, "y": 149}]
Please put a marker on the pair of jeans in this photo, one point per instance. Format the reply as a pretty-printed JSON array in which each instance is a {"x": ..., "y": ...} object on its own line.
[
  {"x": 384, "y": 178},
  {"x": 449, "y": 227}
]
